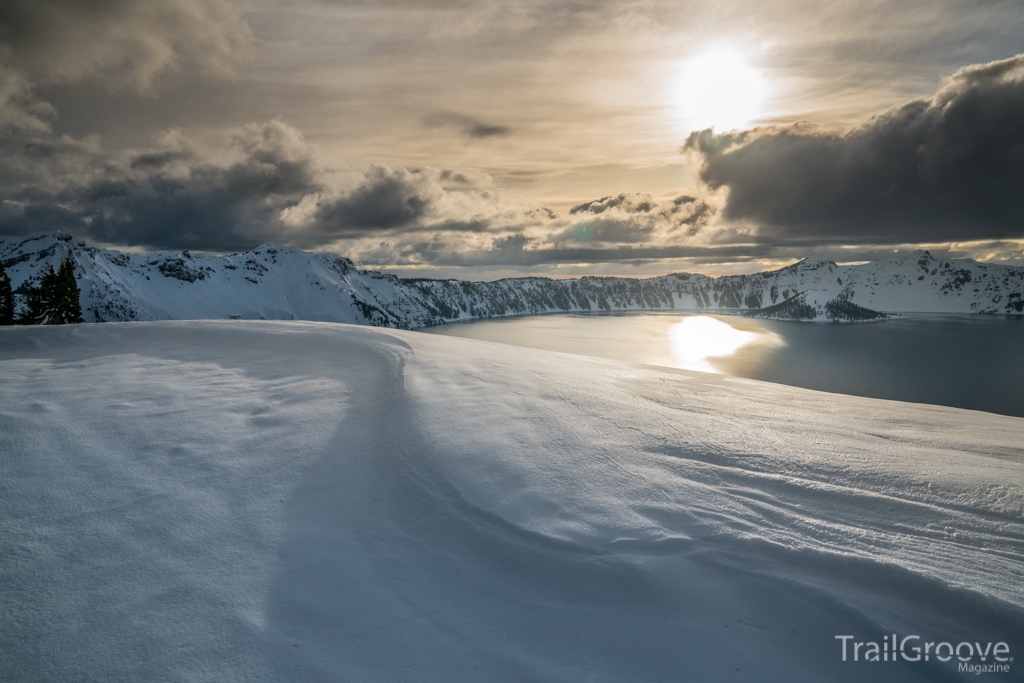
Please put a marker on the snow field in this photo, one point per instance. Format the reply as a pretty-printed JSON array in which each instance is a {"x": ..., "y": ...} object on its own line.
[{"x": 316, "y": 502}]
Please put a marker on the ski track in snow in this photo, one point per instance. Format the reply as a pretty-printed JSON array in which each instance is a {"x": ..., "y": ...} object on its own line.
[{"x": 220, "y": 501}]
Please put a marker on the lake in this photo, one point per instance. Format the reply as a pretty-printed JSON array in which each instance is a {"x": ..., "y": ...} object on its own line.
[{"x": 964, "y": 361}]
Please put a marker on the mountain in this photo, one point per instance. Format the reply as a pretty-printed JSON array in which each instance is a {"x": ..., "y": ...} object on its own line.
[{"x": 282, "y": 283}]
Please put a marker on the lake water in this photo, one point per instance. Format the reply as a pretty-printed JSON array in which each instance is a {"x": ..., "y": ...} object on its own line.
[{"x": 965, "y": 361}]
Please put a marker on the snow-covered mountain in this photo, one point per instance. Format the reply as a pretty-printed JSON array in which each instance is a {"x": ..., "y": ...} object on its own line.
[{"x": 282, "y": 283}]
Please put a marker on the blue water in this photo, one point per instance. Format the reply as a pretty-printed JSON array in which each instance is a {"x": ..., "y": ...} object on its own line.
[{"x": 965, "y": 361}]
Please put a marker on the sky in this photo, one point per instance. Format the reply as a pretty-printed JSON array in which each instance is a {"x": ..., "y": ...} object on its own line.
[{"x": 484, "y": 139}]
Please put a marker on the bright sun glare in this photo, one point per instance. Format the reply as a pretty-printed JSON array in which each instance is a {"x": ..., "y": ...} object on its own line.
[
  {"x": 698, "y": 339},
  {"x": 719, "y": 88}
]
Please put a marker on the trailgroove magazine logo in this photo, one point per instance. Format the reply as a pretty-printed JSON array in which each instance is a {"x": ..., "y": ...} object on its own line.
[{"x": 972, "y": 657}]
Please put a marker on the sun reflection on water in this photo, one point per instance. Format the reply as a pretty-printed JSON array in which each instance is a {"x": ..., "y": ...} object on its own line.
[{"x": 697, "y": 339}]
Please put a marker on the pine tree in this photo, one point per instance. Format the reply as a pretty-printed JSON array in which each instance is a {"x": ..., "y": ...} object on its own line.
[
  {"x": 67, "y": 304},
  {"x": 6, "y": 298},
  {"x": 36, "y": 307},
  {"x": 55, "y": 300}
]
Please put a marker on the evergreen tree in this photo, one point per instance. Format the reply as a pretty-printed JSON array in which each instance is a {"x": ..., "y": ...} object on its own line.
[
  {"x": 35, "y": 310},
  {"x": 55, "y": 300},
  {"x": 6, "y": 298},
  {"x": 67, "y": 302}
]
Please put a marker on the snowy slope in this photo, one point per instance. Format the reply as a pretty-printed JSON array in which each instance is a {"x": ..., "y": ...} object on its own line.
[
  {"x": 269, "y": 282},
  {"x": 266, "y": 501},
  {"x": 917, "y": 282},
  {"x": 283, "y": 283}
]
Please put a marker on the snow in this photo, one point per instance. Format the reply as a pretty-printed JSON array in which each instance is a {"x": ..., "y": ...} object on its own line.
[
  {"x": 274, "y": 282},
  {"x": 263, "y": 501}
]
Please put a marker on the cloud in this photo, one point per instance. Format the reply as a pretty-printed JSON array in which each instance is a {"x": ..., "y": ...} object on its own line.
[
  {"x": 20, "y": 110},
  {"x": 402, "y": 203},
  {"x": 125, "y": 43},
  {"x": 510, "y": 243},
  {"x": 949, "y": 167},
  {"x": 232, "y": 191},
  {"x": 215, "y": 195},
  {"x": 467, "y": 126},
  {"x": 939, "y": 169},
  {"x": 628, "y": 202},
  {"x": 388, "y": 198},
  {"x": 265, "y": 182},
  {"x": 636, "y": 217},
  {"x": 443, "y": 252}
]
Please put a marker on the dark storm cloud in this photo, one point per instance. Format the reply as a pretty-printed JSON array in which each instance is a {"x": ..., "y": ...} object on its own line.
[
  {"x": 388, "y": 198},
  {"x": 262, "y": 183},
  {"x": 125, "y": 42},
  {"x": 180, "y": 195},
  {"x": 409, "y": 201},
  {"x": 950, "y": 167}
]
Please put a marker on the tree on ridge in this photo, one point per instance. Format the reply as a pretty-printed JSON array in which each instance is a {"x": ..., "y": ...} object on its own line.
[
  {"x": 6, "y": 298},
  {"x": 55, "y": 300}
]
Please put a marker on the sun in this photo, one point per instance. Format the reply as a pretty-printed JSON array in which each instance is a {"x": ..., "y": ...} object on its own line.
[{"x": 719, "y": 89}]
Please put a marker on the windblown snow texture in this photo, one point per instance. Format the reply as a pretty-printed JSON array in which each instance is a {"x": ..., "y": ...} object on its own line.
[
  {"x": 267, "y": 501},
  {"x": 281, "y": 283}
]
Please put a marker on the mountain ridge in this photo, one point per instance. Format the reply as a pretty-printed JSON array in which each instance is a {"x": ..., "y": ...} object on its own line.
[{"x": 278, "y": 282}]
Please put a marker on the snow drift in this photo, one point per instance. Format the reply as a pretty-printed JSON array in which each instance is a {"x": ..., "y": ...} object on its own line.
[{"x": 255, "y": 501}]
